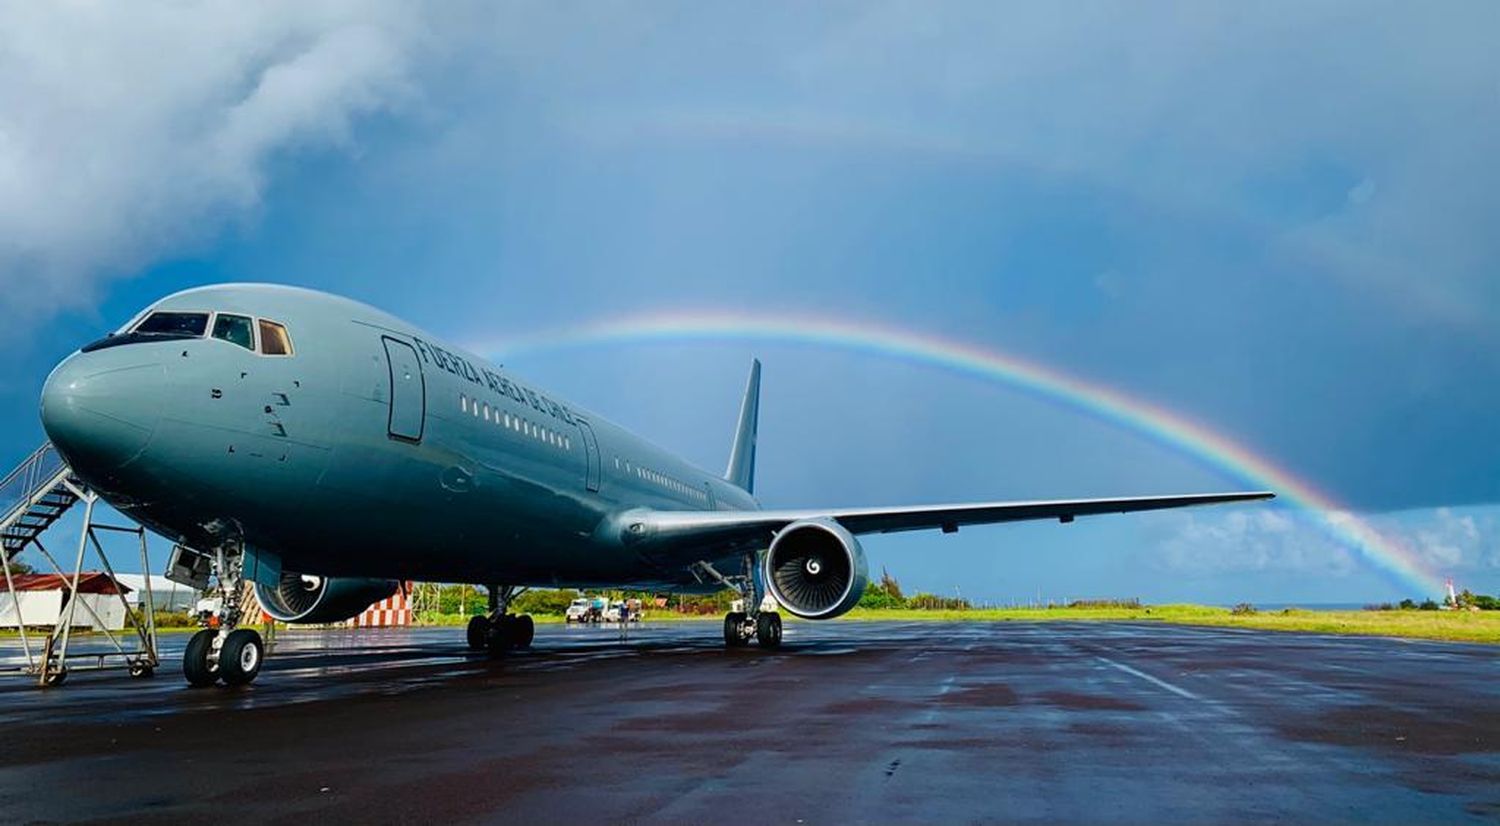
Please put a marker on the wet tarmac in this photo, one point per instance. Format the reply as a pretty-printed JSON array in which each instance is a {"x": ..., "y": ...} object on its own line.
[{"x": 849, "y": 722}]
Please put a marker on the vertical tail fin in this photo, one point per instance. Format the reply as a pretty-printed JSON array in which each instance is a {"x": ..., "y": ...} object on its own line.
[{"x": 741, "y": 470}]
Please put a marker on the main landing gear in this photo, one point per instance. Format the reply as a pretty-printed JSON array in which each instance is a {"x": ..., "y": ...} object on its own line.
[
  {"x": 225, "y": 652},
  {"x": 761, "y": 623},
  {"x": 501, "y": 632},
  {"x": 762, "y": 626}
]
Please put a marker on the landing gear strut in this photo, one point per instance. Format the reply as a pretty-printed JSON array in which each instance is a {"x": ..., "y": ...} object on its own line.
[
  {"x": 499, "y": 631},
  {"x": 226, "y": 652},
  {"x": 760, "y": 622}
]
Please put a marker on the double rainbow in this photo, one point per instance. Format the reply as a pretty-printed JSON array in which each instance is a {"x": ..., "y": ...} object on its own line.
[{"x": 1161, "y": 426}]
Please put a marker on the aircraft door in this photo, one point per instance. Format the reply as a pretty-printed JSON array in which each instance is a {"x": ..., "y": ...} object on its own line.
[
  {"x": 408, "y": 391},
  {"x": 591, "y": 456}
]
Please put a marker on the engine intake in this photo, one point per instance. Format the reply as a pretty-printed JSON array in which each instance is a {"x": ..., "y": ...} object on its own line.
[
  {"x": 314, "y": 599},
  {"x": 816, "y": 569}
]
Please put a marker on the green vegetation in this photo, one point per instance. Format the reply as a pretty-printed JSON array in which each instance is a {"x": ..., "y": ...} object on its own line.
[
  {"x": 165, "y": 619},
  {"x": 884, "y": 599},
  {"x": 886, "y": 595},
  {"x": 17, "y": 568},
  {"x": 1466, "y": 626},
  {"x": 1476, "y": 620}
]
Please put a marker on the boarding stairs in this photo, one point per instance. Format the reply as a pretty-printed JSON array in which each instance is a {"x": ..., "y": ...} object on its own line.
[{"x": 33, "y": 497}]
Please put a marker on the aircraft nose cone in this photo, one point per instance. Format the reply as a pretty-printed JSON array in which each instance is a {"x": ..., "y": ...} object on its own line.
[{"x": 101, "y": 413}]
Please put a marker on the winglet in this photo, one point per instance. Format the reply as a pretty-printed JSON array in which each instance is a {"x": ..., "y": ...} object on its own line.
[{"x": 741, "y": 471}]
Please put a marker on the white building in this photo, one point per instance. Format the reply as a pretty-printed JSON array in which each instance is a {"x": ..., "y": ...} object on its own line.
[
  {"x": 168, "y": 596},
  {"x": 40, "y": 600}
]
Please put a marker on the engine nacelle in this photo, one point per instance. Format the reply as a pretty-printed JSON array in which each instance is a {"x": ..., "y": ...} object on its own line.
[
  {"x": 816, "y": 569},
  {"x": 315, "y": 599}
]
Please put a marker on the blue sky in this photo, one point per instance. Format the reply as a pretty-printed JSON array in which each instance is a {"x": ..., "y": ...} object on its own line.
[{"x": 1275, "y": 221}]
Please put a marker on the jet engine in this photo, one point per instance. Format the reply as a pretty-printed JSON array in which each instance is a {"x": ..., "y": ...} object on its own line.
[
  {"x": 816, "y": 569},
  {"x": 315, "y": 599}
]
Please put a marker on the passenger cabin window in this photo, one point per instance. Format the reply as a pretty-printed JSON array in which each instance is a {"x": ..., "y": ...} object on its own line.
[
  {"x": 174, "y": 324},
  {"x": 235, "y": 329},
  {"x": 273, "y": 339}
]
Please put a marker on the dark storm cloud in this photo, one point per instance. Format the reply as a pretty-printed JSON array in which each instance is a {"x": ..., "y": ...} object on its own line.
[{"x": 1275, "y": 219}]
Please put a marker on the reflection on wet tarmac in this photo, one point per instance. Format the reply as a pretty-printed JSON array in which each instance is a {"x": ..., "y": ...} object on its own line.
[{"x": 877, "y": 722}]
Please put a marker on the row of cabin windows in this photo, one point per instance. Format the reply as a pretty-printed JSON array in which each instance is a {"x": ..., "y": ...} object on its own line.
[
  {"x": 230, "y": 327},
  {"x": 662, "y": 480},
  {"x": 482, "y": 410}
]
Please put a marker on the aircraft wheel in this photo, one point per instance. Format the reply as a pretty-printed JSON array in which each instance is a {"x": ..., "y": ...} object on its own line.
[
  {"x": 241, "y": 656},
  {"x": 478, "y": 632},
  {"x": 142, "y": 671},
  {"x": 195, "y": 665},
  {"x": 501, "y": 637},
  {"x": 768, "y": 629},
  {"x": 56, "y": 677},
  {"x": 734, "y": 624},
  {"x": 525, "y": 630}
]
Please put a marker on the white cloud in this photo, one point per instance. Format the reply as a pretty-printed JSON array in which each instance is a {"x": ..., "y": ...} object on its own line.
[
  {"x": 1362, "y": 192},
  {"x": 1244, "y": 540},
  {"x": 130, "y": 131},
  {"x": 1451, "y": 542},
  {"x": 1460, "y": 542}
]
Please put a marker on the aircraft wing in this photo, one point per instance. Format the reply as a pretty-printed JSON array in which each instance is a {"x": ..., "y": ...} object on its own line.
[{"x": 666, "y": 531}]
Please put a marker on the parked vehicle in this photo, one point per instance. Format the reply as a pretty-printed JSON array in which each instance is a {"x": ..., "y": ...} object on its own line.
[
  {"x": 581, "y": 610},
  {"x": 619, "y": 609},
  {"x": 599, "y": 609}
]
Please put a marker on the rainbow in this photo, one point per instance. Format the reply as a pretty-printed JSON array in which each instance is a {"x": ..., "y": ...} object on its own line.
[{"x": 1176, "y": 432}]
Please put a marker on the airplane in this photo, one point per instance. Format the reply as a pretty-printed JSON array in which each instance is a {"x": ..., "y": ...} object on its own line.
[{"x": 324, "y": 452}]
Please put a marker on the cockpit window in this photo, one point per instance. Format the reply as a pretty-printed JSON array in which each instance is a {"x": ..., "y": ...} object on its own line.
[
  {"x": 174, "y": 324},
  {"x": 273, "y": 339},
  {"x": 156, "y": 328},
  {"x": 235, "y": 329}
]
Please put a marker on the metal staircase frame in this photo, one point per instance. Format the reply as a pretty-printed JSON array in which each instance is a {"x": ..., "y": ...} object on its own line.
[{"x": 32, "y": 498}]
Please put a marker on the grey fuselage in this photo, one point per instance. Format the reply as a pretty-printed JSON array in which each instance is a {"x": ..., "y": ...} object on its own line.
[{"x": 373, "y": 450}]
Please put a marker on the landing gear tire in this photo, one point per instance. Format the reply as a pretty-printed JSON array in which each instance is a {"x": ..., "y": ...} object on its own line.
[
  {"x": 768, "y": 629},
  {"x": 479, "y": 632},
  {"x": 195, "y": 665},
  {"x": 734, "y": 630},
  {"x": 240, "y": 657},
  {"x": 142, "y": 671},
  {"x": 56, "y": 677},
  {"x": 501, "y": 638},
  {"x": 509, "y": 633}
]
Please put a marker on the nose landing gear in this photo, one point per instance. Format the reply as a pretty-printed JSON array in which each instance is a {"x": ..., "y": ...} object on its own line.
[
  {"x": 214, "y": 655},
  {"x": 225, "y": 653}
]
